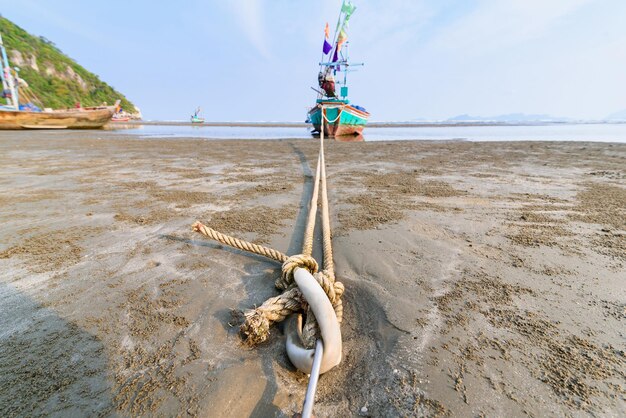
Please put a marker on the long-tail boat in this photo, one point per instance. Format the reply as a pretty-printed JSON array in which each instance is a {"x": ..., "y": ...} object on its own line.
[
  {"x": 333, "y": 112},
  {"x": 195, "y": 118},
  {"x": 16, "y": 116}
]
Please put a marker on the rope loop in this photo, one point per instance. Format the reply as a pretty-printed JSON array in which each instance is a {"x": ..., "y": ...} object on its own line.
[
  {"x": 328, "y": 285},
  {"x": 289, "y": 266}
]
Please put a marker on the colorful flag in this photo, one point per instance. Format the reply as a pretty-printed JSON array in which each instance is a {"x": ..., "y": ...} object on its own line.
[
  {"x": 341, "y": 39},
  {"x": 327, "y": 46},
  {"x": 348, "y": 8}
]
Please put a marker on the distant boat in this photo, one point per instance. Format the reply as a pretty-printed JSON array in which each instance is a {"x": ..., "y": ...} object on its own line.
[
  {"x": 120, "y": 115},
  {"x": 333, "y": 112},
  {"x": 16, "y": 116},
  {"x": 195, "y": 118},
  {"x": 117, "y": 117}
]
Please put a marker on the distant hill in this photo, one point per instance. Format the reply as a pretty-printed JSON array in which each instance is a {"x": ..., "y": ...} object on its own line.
[
  {"x": 55, "y": 79},
  {"x": 511, "y": 117},
  {"x": 617, "y": 116}
]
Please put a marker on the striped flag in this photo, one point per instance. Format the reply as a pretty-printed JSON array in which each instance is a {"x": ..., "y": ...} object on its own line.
[{"x": 327, "y": 46}]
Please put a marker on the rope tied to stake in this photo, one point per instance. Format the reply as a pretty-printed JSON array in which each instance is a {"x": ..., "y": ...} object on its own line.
[{"x": 255, "y": 328}]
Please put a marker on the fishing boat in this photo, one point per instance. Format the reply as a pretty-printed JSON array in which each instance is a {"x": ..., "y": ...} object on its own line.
[
  {"x": 14, "y": 115},
  {"x": 120, "y": 115},
  {"x": 333, "y": 111},
  {"x": 83, "y": 118},
  {"x": 195, "y": 118},
  {"x": 120, "y": 118}
]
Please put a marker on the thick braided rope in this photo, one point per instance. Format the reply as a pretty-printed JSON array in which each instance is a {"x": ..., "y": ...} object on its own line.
[
  {"x": 240, "y": 244},
  {"x": 334, "y": 290},
  {"x": 305, "y": 259},
  {"x": 257, "y": 322},
  {"x": 256, "y": 326},
  {"x": 329, "y": 266},
  {"x": 307, "y": 242},
  {"x": 289, "y": 266},
  {"x": 326, "y": 279}
]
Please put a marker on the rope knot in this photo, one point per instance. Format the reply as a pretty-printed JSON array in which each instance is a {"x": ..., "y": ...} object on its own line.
[
  {"x": 256, "y": 327},
  {"x": 290, "y": 265}
]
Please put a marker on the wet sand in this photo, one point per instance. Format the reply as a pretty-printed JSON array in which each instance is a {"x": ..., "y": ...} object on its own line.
[{"x": 481, "y": 278}]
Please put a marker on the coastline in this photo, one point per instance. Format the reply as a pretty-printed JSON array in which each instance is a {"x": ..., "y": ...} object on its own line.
[
  {"x": 443, "y": 124},
  {"x": 480, "y": 277}
]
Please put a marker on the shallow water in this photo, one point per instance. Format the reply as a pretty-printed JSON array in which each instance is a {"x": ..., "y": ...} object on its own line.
[{"x": 561, "y": 132}]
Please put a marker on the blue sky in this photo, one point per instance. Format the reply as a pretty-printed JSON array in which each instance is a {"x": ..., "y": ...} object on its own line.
[{"x": 255, "y": 60}]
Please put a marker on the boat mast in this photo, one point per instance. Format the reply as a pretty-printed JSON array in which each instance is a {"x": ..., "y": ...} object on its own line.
[
  {"x": 7, "y": 78},
  {"x": 323, "y": 66},
  {"x": 4, "y": 83},
  {"x": 342, "y": 56}
]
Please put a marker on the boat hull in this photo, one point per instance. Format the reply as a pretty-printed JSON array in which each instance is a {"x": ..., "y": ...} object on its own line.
[
  {"x": 341, "y": 121},
  {"x": 87, "y": 118}
]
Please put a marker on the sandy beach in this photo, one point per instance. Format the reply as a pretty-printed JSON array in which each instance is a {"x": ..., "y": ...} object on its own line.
[{"x": 482, "y": 279}]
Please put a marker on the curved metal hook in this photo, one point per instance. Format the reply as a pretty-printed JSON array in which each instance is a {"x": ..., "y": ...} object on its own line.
[{"x": 302, "y": 357}]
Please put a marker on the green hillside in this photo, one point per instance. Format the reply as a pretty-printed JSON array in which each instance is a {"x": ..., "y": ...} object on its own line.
[{"x": 55, "y": 79}]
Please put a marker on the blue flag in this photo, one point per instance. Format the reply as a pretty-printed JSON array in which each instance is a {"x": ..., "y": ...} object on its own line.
[{"x": 327, "y": 47}]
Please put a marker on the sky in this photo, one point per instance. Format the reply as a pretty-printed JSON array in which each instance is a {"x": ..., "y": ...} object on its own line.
[{"x": 256, "y": 60}]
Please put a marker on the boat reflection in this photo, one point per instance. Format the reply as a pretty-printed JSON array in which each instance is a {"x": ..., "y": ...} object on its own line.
[
  {"x": 343, "y": 138},
  {"x": 118, "y": 126}
]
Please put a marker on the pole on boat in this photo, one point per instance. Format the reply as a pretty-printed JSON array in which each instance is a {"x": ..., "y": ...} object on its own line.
[
  {"x": 4, "y": 82},
  {"x": 7, "y": 78}
]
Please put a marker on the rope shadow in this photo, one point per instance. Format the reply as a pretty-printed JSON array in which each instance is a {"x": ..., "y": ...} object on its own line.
[
  {"x": 295, "y": 244},
  {"x": 218, "y": 246}
]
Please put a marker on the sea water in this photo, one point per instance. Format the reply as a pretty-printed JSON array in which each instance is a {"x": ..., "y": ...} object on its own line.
[
  {"x": 594, "y": 132},
  {"x": 598, "y": 132}
]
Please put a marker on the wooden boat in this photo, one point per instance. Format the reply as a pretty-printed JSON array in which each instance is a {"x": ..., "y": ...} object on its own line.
[
  {"x": 341, "y": 118},
  {"x": 333, "y": 112},
  {"x": 83, "y": 118},
  {"x": 118, "y": 118},
  {"x": 16, "y": 116}
]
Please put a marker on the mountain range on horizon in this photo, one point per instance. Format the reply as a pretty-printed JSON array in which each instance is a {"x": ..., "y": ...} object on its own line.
[{"x": 523, "y": 117}]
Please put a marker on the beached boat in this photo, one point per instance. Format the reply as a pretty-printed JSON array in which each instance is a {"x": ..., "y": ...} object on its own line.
[
  {"x": 14, "y": 115},
  {"x": 333, "y": 112},
  {"x": 117, "y": 117},
  {"x": 83, "y": 118},
  {"x": 195, "y": 118}
]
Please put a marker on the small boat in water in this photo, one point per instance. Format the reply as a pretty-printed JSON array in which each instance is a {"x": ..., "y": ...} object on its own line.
[
  {"x": 195, "y": 118},
  {"x": 333, "y": 112},
  {"x": 14, "y": 115}
]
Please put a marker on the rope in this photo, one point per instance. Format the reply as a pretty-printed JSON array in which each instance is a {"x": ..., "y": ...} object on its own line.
[
  {"x": 257, "y": 322},
  {"x": 239, "y": 243},
  {"x": 307, "y": 243},
  {"x": 338, "y": 114}
]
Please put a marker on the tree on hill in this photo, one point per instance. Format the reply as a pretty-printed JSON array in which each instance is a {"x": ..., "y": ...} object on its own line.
[{"x": 53, "y": 77}]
